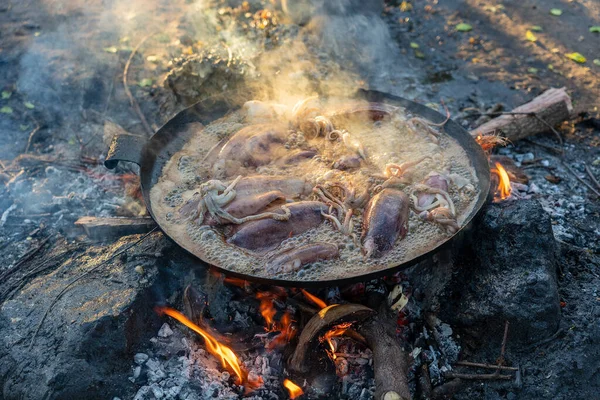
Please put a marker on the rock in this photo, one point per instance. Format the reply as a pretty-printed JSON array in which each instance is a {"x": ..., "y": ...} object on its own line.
[
  {"x": 85, "y": 342},
  {"x": 509, "y": 276},
  {"x": 165, "y": 331},
  {"x": 140, "y": 358}
]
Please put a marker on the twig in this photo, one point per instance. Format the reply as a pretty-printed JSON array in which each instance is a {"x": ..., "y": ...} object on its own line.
[
  {"x": 487, "y": 366},
  {"x": 581, "y": 180},
  {"x": 484, "y": 377},
  {"x": 26, "y": 257},
  {"x": 551, "y": 149},
  {"x": 33, "y": 132},
  {"x": 6, "y": 213},
  {"x": 82, "y": 275},
  {"x": 504, "y": 338},
  {"x": 592, "y": 177},
  {"x": 132, "y": 99}
]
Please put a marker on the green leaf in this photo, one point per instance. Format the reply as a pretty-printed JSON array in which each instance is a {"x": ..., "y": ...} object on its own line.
[
  {"x": 6, "y": 110},
  {"x": 29, "y": 105},
  {"x": 414, "y": 45},
  {"x": 557, "y": 12},
  {"x": 595, "y": 29},
  {"x": 145, "y": 82},
  {"x": 596, "y": 62},
  {"x": 72, "y": 141},
  {"x": 530, "y": 36},
  {"x": 550, "y": 67},
  {"x": 532, "y": 70},
  {"x": 577, "y": 57},
  {"x": 23, "y": 127},
  {"x": 462, "y": 27},
  {"x": 111, "y": 49},
  {"x": 6, "y": 94},
  {"x": 419, "y": 54},
  {"x": 536, "y": 28}
]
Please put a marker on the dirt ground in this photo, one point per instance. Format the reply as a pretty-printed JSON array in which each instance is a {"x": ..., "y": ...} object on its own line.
[{"x": 61, "y": 71}]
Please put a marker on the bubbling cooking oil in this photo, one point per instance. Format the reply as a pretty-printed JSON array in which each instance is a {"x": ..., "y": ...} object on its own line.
[{"x": 391, "y": 140}]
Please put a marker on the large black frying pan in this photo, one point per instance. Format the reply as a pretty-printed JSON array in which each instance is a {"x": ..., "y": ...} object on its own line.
[{"x": 152, "y": 155}]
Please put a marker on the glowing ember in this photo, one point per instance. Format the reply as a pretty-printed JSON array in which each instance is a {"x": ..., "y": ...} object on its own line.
[
  {"x": 294, "y": 389},
  {"x": 337, "y": 330},
  {"x": 236, "y": 282},
  {"x": 227, "y": 357},
  {"x": 504, "y": 188},
  {"x": 320, "y": 303}
]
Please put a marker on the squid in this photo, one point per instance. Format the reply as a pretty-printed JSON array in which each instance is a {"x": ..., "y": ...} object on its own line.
[
  {"x": 385, "y": 220},
  {"x": 293, "y": 259}
]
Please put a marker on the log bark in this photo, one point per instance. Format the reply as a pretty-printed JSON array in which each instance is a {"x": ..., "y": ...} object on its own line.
[
  {"x": 550, "y": 108},
  {"x": 390, "y": 361}
]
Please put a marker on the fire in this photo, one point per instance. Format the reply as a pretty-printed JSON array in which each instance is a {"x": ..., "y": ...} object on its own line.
[
  {"x": 337, "y": 330},
  {"x": 284, "y": 326},
  {"x": 294, "y": 389},
  {"x": 320, "y": 303},
  {"x": 504, "y": 188},
  {"x": 227, "y": 357}
]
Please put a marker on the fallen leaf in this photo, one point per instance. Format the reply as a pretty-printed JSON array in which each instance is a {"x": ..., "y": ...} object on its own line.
[
  {"x": 536, "y": 28},
  {"x": 111, "y": 49},
  {"x": 414, "y": 45},
  {"x": 29, "y": 105},
  {"x": 550, "y": 67},
  {"x": 6, "y": 110},
  {"x": 419, "y": 54},
  {"x": 152, "y": 59},
  {"x": 553, "y": 178},
  {"x": 530, "y": 36},
  {"x": 71, "y": 141},
  {"x": 405, "y": 6},
  {"x": 145, "y": 82},
  {"x": 6, "y": 94},
  {"x": 596, "y": 62},
  {"x": 532, "y": 70},
  {"x": 557, "y": 12},
  {"x": 23, "y": 127},
  {"x": 595, "y": 29},
  {"x": 462, "y": 27},
  {"x": 577, "y": 57}
]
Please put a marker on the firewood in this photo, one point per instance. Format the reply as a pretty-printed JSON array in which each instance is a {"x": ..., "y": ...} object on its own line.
[
  {"x": 539, "y": 115},
  {"x": 107, "y": 228}
]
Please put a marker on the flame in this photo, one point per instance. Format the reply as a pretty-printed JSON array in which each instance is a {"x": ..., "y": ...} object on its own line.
[
  {"x": 266, "y": 307},
  {"x": 227, "y": 357},
  {"x": 284, "y": 326},
  {"x": 294, "y": 389},
  {"x": 337, "y": 330},
  {"x": 320, "y": 303},
  {"x": 504, "y": 188}
]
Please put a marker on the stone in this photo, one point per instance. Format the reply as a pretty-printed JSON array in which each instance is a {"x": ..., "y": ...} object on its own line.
[
  {"x": 508, "y": 274},
  {"x": 140, "y": 358},
  {"x": 165, "y": 331}
]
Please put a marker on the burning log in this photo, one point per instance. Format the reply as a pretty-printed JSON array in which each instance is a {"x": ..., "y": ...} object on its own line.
[
  {"x": 539, "y": 115},
  {"x": 379, "y": 332}
]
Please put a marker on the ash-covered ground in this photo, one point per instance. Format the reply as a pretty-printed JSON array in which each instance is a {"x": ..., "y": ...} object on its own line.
[{"x": 63, "y": 98}]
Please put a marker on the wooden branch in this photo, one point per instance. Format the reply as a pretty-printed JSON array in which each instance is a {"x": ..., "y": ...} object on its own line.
[
  {"x": 539, "y": 115},
  {"x": 325, "y": 319},
  {"x": 390, "y": 361},
  {"x": 107, "y": 228}
]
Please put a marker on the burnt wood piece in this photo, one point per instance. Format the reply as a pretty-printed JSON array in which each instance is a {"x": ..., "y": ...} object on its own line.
[
  {"x": 390, "y": 362},
  {"x": 322, "y": 321},
  {"x": 551, "y": 107},
  {"x": 515, "y": 173},
  {"x": 107, "y": 228}
]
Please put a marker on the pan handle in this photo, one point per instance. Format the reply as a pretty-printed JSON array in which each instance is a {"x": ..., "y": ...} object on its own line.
[{"x": 124, "y": 147}]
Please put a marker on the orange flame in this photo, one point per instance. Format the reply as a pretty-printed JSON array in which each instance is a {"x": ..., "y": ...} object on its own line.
[
  {"x": 227, "y": 357},
  {"x": 320, "y": 303},
  {"x": 337, "y": 330},
  {"x": 294, "y": 389},
  {"x": 266, "y": 307},
  {"x": 504, "y": 188}
]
